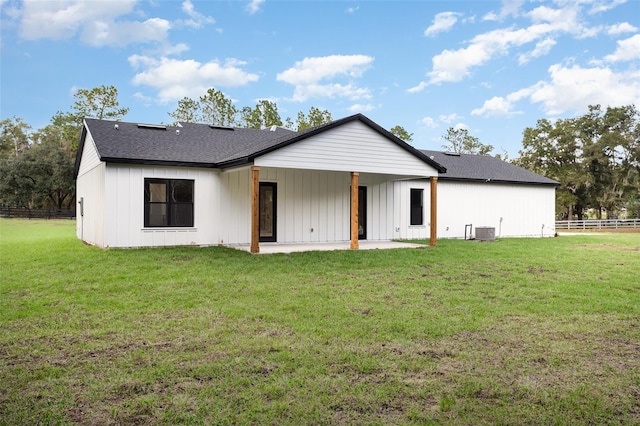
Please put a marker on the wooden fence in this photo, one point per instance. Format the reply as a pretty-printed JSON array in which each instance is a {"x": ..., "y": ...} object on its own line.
[
  {"x": 595, "y": 224},
  {"x": 24, "y": 213}
]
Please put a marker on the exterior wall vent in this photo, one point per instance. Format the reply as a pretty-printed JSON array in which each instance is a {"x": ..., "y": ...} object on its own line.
[{"x": 485, "y": 233}]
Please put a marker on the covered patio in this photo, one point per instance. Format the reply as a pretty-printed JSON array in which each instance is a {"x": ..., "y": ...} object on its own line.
[{"x": 273, "y": 248}]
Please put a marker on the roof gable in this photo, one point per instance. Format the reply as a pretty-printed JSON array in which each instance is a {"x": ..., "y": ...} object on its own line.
[
  {"x": 202, "y": 145},
  {"x": 352, "y": 146},
  {"x": 484, "y": 168}
]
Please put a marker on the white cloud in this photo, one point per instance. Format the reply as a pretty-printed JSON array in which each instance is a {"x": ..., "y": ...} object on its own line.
[
  {"x": 429, "y": 122},
  {"x": 546, "y": 24},
  {"x": 603, "y": 6},
  {"x": 509, "y": 8},
  {"x": 356, "y": 108},
  {"x": 627, "y": 50},
  {"x": 499, "y": 106},
  {"x": 103, "y": 33},
  {"x": 571, "y": 89},
  {"x": 449, "y": 118},
  {"x": 442, "y": 22},
  {"x": 419, "y": 88},
  {"x": 542, "y": 48},
  {"x": 99, "y": 23},
  {"x": 254, "y": 6},
  {"x": 621, "y": 28},
  {"x": 307, "y": 75},
  {"x": 352, "y": 9},
  {"x": 96, "y": 22},
  {"x": 174, "y": 79},
  {"x": 65, "y": 18},
  {"x": 197, "y": 19}
]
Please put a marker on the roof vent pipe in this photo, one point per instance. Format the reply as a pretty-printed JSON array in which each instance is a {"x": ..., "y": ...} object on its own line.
[
  {"x": 115, "y": 126},
  {"x": 273, "y": 128}
]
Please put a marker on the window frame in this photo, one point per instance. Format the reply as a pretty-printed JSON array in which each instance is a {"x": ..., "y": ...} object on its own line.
[
  {"x": 413, "y": 209},
  {"x": 170, "y": 205}
]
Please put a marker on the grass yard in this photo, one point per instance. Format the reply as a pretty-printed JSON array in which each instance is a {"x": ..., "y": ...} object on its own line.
[{"x": 519, "y": 331}]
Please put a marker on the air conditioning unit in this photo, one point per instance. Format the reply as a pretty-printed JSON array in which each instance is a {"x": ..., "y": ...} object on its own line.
[{"x": 485, "y": 233}]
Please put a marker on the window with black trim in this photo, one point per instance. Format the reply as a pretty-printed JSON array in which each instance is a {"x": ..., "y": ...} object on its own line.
[
  {"x": 417, "y": 209},
  {"x": 168, "y": 203}
]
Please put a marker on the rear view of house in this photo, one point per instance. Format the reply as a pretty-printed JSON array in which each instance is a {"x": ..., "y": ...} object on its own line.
[
  {"x": 141, "y": 185},
  {"x": 146, "y": 185}
]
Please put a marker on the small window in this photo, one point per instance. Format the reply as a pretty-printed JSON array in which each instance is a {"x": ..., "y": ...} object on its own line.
[
  {"x": 168, "y": 203},
  {"x": 417, "y": 210}
]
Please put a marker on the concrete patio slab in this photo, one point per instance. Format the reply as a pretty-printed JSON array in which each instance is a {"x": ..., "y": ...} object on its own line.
[{"x": 271, "y": 248}]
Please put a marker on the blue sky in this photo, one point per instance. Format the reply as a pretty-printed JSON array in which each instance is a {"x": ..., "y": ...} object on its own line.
[{"x": 492, "y": 67}]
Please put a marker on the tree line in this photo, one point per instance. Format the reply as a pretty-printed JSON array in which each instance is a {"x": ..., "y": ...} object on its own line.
[
  {"x": 595, "y": 157},
  {"x": 36, "y": 167}
]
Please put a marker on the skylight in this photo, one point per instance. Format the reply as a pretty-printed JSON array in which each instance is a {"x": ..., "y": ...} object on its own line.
[{"x": 152, "y": 126}]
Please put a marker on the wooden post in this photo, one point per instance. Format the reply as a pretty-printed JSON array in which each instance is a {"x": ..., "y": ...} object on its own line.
[
  {"x": 255, "y": 209},
  {"x": 434, "y": 211},
  {"x": 354, "y": 210}
]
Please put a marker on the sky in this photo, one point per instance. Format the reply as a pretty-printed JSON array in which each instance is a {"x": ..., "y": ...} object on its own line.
[{"x": 492, "y": 67}]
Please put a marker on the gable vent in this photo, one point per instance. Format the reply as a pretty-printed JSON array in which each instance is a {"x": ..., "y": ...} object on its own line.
[{"x": 152, "y": 126}]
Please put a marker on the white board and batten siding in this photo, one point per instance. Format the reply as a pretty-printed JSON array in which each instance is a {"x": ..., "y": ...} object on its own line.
[
  {"x": 124, "y": 207},
  {"x": 90, "y": 188},
  {"x": 352, "y": 147},
  {"x": 313, "y": 206},
  {"x": 525, "y": 210},
  {"x": 402, "y": 217}
]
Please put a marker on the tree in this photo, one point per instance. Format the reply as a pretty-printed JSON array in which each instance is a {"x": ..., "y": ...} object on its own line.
[
  {"x": 217, "y": 109},
  {"x": 14, "y": 136},
  {"x": 595, "y": 157},
  {"x": 99, "y": 102},
  {"x": 461, "y": 142},
  {"x": 265, "y": 114},
  {"x": 188, "y": 110},
  {"x": 400, "y": 132},
  {"x": 609, "y": 147},
  {"x": 551, "y": 149},
  {"x": 315, "y": 118},
  {"x": 41, "y": 177}
]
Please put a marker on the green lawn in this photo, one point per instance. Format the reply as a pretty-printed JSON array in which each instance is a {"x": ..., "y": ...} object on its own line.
[{"x": 518, "y": 331}]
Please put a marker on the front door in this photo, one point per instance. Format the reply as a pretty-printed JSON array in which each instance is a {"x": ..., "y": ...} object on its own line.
[
  {"x": 267, "y": 203},
  {"x": 362, "y": 212}
]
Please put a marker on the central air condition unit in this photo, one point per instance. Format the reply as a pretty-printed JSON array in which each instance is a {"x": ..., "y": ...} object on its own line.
[{"x": 485, "y": 233}]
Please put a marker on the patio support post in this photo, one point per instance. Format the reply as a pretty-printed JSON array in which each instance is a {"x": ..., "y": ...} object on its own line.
[
  {"x": 354, "y": 210},
  {"x": 255, "y": 209},
  {"x": 434, "y": 211}
]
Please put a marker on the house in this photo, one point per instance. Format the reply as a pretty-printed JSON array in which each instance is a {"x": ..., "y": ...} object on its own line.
[
  {"x": 147, "y": 185},
  {"x": 141, "y": 185},
  {"x": 483, "y": 191}
]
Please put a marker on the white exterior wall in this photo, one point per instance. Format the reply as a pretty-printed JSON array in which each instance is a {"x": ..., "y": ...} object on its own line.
[
  {"x": 352, "y": 147},
  {"x": 312, "y": 205},
  {"x": 90, "y": 187},
  {"x": 526, "y": 210},
  {"x": 124, "y": 207},
  {"x": 402, "y": 216}
]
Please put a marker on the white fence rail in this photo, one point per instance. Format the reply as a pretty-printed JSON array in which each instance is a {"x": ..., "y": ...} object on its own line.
[{"x": 597, "y": 224}]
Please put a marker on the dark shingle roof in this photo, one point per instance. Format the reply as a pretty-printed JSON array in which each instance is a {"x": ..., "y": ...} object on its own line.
[
  {"x": 197, "y": 144},
  {"x": 201, "y": 145},
  {"x": 484, "y": 168}
]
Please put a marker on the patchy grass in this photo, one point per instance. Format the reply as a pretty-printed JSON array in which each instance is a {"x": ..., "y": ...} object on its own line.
[{"x": 519, "y": 331}]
